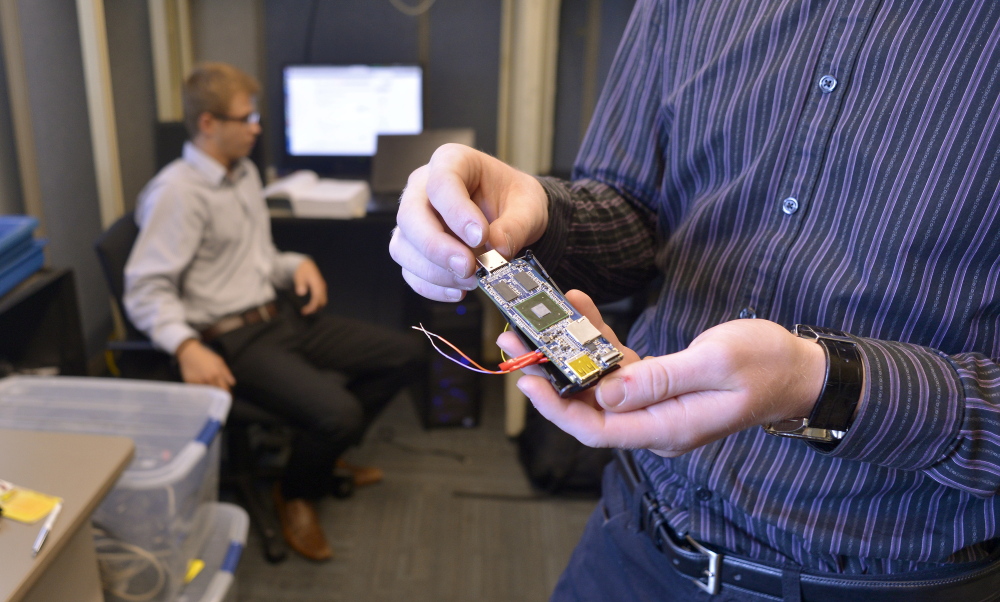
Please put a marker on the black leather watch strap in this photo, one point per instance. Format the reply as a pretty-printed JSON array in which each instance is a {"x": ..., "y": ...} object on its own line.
[{"x": 834, "y": 410}]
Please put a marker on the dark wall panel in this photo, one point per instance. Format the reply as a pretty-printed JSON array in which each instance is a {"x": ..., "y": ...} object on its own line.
[
  {"x": 572, "y": 99},
  {"x": 461, "y": 76},
  {"x": 131, "y": 60},
  {"x": 10, "y": 182},
  {"x": 54, "y": 66}
]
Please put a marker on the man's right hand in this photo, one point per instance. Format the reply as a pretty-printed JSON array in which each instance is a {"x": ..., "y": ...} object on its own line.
[
  {"x": 202, "y": 366},
  {"x": 463, "y": 200}
]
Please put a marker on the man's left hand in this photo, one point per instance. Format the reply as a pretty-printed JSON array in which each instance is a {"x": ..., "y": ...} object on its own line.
[
  {"x": 732, "y": 377},
  {"x": 308, "y": 281}
]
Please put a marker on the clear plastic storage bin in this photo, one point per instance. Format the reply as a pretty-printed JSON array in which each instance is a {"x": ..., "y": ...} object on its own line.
[
  {"x": 153, "y": 520},
  {"x": 221, "y": 549}
]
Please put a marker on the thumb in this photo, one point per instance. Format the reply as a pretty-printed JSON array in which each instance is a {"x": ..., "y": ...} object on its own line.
[{"x": 652, "y": 380}]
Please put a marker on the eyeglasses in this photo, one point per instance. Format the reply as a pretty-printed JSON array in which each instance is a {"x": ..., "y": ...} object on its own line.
[{"x": 249, "y": 118}]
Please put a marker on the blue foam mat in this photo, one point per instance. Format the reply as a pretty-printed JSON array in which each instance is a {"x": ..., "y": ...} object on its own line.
[
  {"x": 15, "y": 236},
  {"x": 16, "y": 271}
]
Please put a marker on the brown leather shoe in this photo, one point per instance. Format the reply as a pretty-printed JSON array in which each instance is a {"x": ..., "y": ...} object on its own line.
[
  {"x": 361, "y": 475},
  {"x": 300, "y": 526}
]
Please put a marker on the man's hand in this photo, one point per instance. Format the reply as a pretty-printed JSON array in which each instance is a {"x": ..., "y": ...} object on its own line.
[
  {"x": 463, "y": 200},
  {"x": 732, "y": 377},
  {"x": 308, "y": 280},
  {"x": 202, "y": 366}
]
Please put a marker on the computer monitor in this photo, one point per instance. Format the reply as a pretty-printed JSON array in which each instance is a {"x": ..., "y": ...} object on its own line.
[{"x": 333, "y": 114}]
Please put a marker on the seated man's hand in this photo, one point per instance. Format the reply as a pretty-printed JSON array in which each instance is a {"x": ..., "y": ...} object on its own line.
[
  {"x": 309, "y": 281},
  {"x": 202, "y": 366},
  {"x": 732, "y": 377}
]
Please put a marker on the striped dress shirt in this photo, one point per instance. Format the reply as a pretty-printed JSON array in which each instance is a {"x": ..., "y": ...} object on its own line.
[{"x": 824, "y": 163}]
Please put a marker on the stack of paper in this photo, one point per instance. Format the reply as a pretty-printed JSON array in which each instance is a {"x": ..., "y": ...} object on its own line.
[{"x": 312, "y": 196}]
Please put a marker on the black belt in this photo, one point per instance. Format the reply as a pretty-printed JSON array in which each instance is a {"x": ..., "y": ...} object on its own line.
[
  {"x": 710, "y": 570},
  {"x": 254, "y": 315}
]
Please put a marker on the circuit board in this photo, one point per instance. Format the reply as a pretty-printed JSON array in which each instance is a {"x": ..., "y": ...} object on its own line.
[{"x": 537, "y": 310}]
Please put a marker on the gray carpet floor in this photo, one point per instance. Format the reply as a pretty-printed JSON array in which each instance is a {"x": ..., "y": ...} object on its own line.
[{"x": 454, "y": 520}]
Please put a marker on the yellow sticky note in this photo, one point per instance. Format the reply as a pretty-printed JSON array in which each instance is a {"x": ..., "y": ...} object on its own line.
[
  {"x": 25, "y": 505},
  {"x": 194, "y": 567}
]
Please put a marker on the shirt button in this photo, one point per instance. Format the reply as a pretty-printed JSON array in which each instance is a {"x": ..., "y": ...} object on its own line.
[
  {"x": 703, "y": 494},
  {"x": 827, "y": 83},
  {"x": 790, "y": 205},
  {"x": 747, "y": 313}
]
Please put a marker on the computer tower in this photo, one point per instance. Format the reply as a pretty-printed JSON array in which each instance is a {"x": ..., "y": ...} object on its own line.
[{"x": 450, "y": 395}]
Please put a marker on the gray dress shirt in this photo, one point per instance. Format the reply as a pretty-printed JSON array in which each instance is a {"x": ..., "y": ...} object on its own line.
[{"x": 204, "y": 249}]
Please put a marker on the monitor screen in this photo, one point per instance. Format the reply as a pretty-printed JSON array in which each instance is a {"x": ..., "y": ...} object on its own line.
[{"x": 340, "y": 110}]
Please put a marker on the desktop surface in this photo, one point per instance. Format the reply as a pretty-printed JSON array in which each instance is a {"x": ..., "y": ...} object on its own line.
[{"x": 81, "y": 469}]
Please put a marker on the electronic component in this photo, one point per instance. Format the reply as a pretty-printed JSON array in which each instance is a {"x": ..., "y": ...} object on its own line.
[
  {"x": 578, "y": 353},
  {"x": 508, "y": 292},
  {"x": 541, "y": 311},
  {"x": 526, "y": 281}
]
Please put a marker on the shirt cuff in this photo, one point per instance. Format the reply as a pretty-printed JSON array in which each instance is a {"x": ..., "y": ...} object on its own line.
[
  {"x": 169, "y": 338},
  {"x": 910, "y": 412},
  {"x": 285, "y": 267},
  {"x": 550, "y": 247}
]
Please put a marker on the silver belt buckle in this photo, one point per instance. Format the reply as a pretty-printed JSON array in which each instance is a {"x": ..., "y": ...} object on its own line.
[{"x": 711, "y": 584}]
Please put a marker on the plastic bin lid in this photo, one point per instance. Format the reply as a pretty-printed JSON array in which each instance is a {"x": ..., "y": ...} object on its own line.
[
  {"x": 224, "y": 542},
  {"x": 171, "y": 423}
]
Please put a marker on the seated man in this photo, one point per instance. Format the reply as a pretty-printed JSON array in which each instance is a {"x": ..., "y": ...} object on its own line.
[{"x": 201, "y": 283}]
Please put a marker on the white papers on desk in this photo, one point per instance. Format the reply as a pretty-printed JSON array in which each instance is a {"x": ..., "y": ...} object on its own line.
[{"x": 312, "y": 196}]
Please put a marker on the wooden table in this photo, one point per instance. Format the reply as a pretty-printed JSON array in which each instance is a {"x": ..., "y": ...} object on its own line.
[{"x": 81, "y": 469}]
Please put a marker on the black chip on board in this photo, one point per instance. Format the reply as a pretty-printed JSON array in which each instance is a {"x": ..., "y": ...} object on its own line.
[
  {"x": 526, "y": 281},
  {"x": 506, "y": 291}
]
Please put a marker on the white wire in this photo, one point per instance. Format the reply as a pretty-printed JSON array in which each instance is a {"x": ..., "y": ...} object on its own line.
[
  {"x": 430, "y": 334},
  {"x": 134, "y": 560},
  {"x": 413, "y": 11}
]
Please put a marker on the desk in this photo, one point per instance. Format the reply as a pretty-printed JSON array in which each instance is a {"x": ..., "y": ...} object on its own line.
[
  {"x": 353, "y": 254},
  {"x": 81, "y": 469}
]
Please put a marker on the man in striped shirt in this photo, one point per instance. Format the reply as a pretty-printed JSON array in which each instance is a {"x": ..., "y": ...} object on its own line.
[{"x": 775, "y": 163}]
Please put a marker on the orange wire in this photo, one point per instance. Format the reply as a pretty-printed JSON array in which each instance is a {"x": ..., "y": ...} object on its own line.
[{"x": 528, "y": 359}]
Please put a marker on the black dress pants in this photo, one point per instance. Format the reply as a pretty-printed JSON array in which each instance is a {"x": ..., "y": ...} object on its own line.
[{"x": 328, "y": 376}]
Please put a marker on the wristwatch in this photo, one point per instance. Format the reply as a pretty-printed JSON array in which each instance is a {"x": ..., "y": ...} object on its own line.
[{"x": 834, "y": 410}]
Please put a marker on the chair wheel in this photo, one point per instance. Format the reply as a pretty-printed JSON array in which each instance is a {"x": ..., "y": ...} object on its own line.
[
  {"x": 342, "y": 486},
  {"x": 275, "y": 551}
]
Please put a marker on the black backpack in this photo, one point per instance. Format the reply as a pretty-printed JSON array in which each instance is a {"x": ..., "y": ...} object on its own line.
[{"x": 555, "y": 462}]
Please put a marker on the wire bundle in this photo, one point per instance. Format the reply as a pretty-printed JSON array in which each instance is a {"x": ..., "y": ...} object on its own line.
[{"x": 528, "y": 359}]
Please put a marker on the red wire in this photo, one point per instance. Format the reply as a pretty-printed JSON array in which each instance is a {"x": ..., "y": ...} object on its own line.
[{"x": 528, "y": 359}]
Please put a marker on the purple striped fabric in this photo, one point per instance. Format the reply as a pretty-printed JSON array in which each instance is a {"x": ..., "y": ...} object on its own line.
[{"x": 714, "y": 117}]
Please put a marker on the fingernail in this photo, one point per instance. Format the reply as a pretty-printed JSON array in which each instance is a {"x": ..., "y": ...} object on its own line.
[
  {"x": 474, "y": 235},
  {"x": 457, "y": 265},
  {"x": 612, "y": 392},
  {"x": 453, "y": 294}
]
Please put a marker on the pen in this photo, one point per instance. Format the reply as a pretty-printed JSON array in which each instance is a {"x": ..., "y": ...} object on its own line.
[{"x": 40, "y": 540}]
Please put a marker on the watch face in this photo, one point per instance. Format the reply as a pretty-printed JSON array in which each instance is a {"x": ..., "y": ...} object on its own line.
[{"x": 787, "y": 427}]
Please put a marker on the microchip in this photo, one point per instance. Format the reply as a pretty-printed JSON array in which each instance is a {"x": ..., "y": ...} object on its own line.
[
  {"x": 526, "y": 281},
  {"x": 541, "y": 311},
  {"x": 583, "y": 331},
  {"x": 583, "y": 366},
  {"x": 506, "y": 291}
]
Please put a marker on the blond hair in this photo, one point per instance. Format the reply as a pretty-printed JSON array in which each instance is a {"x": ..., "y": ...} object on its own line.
[{"x": 210, "y": 88}]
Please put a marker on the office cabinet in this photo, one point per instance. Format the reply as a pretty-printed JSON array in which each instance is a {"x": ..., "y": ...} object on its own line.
[{"x": 40, "y": 325}]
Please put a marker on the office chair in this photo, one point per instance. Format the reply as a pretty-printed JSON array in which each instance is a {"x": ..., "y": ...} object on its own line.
[{"x": 137, "y": 358}]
